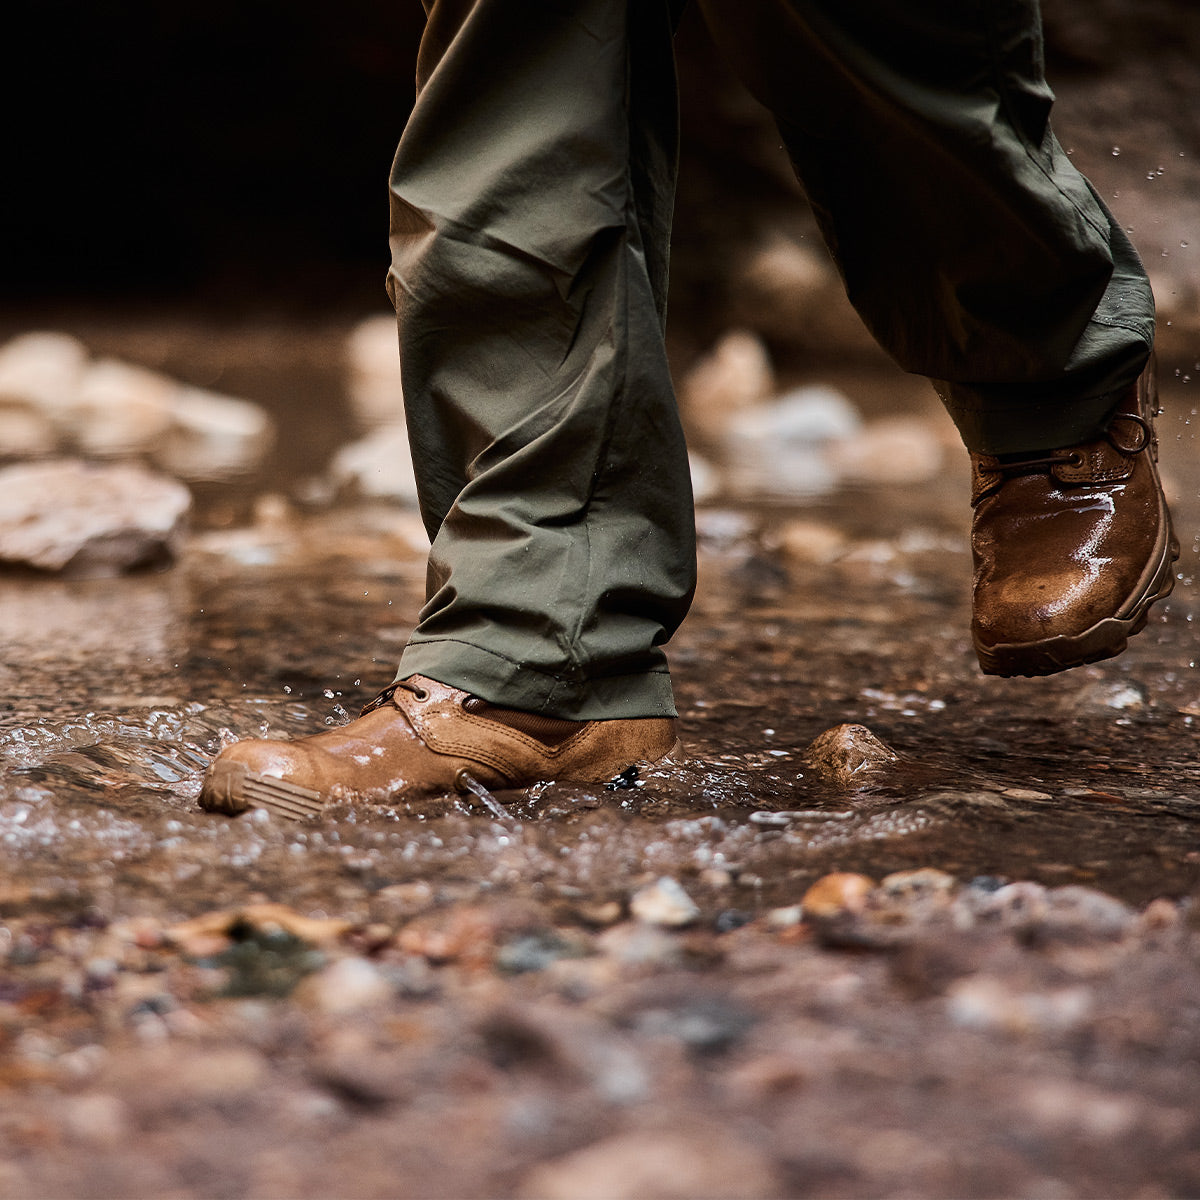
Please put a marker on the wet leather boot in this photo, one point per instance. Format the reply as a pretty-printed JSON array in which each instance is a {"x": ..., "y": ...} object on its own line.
[
  {"x": 422, "y": 738},
  {"x": 1071, "y": 546}
]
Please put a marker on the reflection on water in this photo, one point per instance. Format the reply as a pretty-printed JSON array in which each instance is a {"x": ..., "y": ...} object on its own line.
[{"x": 119, "y": 692}]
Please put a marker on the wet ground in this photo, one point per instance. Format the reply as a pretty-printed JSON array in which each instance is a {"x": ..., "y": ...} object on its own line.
[{"x": 514, "y": 1028}]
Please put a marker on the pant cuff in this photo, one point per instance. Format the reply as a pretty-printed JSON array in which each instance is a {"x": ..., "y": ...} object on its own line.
[{"x": 499, "y": 680}]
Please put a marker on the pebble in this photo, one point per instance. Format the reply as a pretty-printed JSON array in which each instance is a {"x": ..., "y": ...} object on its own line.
[
  {"x": 89, "y": 520},
  {"x": 896, "y": 450},
  {"x": 665, "y": 903},
  {"x": 120, "y": 410},
  {"x": 657, "y": 1164},
  {"x": 96, "y": 1119},
  {"x": 814, "y": 542},
  {"x": 925, "y": 881},
  {"x": 379, "y": 465},
  {"x": 734, "y": 375},
  {"x": 213, "y": 438},
  {"x": 345, "y": 986},
  {"x": 373, "y": 382},
  {"x": 638, "y": 945},
  {"x": 984, "y": 1003},
  {"x": 41, "y": 371},
  {"x": 847, "y": 754},
  {"x": 834, "y": 895}
]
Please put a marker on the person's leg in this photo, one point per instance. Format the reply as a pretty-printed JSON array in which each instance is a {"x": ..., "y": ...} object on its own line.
[
  {"x": 531, "y": 202},
  {"x": 970, "y": 245},
  {"x": 532, "y": 195},
  {"x": 980, "y": 257}
]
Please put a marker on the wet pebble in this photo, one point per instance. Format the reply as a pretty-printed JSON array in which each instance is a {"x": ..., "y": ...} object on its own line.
[
  {"x": 87, "y": 520},
  {"x": 836, "y": 895},
  {"x": 848, "y": 754},
  {"x": 985, "y": 1003},
  {"x": 665, "y": 903},
  {"x": 96, "y": 1119},
  {"x": 345, "y": 986},
  {"x": 657, "y": 1164}
]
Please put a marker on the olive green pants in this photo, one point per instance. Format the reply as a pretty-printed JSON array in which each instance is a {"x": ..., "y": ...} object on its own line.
[{"x": 531, "y": 209}]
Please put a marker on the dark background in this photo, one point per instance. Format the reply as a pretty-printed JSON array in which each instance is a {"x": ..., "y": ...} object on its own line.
[{"x": 234, "y": 155}]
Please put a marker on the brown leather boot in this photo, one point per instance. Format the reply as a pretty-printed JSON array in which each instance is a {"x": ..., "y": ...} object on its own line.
[
  {"x": 422, "y": 738},
  {"x": 1071, "y": 546}
]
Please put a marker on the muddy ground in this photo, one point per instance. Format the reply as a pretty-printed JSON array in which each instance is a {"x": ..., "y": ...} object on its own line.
[
  {"x": 455, "y": 1003},
  {"x": 991, "y": 990}
]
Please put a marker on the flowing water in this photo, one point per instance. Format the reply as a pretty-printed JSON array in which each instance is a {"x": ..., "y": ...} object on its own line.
[{"x": 118, "y": 692}]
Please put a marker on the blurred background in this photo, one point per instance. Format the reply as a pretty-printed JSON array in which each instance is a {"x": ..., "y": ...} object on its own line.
[{"x": 190, "y": 188}]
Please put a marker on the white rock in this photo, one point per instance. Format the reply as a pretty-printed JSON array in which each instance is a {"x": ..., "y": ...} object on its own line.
[
  {"x": 42, "y": 371},
  {"x": 783, "y": 448},
  {"x": 790, "y": 292},
  {"x": 373, "y": 371},
  {"x": 213, "y": 437},
  {"x": 120, "y": 409},
  {"x": 894, "y": 450},
  {"x": 379, "y": 465},
  {"x": 810, "y": 541},
  {"x": 664, "y": 903},
  {"x": 26, "y": 433},
  {"x": 734, "y": 375},
  {"x": 706, "y": 479},
  {"x": 689, "y": 1163},
  {"x": 346, "y": 986},
  {"x": 89, "y": 520}
]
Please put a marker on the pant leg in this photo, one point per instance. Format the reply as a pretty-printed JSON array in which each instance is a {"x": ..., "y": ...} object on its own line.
[
  {"x": 531, "y": 199},
  {"x": 970, "y": 245}
]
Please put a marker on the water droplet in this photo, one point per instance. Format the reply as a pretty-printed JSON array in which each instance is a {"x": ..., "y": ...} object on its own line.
[
  {"x": 1116, "y": 150},
  {"x": 1183, "y": 245}
]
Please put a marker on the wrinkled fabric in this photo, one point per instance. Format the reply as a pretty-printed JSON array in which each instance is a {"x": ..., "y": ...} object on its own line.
[{"x": 531, "y": 207}]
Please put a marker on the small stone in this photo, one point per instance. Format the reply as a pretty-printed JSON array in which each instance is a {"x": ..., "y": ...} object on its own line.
[
  {"x": 373, "y": 381},
  {"x": 379, "y": 465},
  {"x": 785, "y": 918},
  {"x": 346, "y": 986},
  {"x": 735, "y": 374},
  {"x": 985, "y": 1003},
  {"x": 1016, "y": 793},
  {"x": 214, "y": 438},
  {"x": 925, "y": 881},
  {"x": 121, "y": 409},
  {"x": 41, "y": 372},
  {"x": 664, "y": 903},
  {"x": 87, "y": 520},
  {"x": 25, "y": 433},
  {"x": 837, "y": 894},
  {"x": 706, "y": 479},
  {"x": 657, "y": 1164},
  {"x": 638, "y": 945},
  {"x": 1107, "y": 693},
  {"x": 847, "y": 754},
  {"x": 96, "y": 1119},
  {"x": 897, "y": 450},
  {"x": 812, "y": 542}
]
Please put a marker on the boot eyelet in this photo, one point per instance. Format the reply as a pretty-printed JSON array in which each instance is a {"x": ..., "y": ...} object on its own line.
[{"x": 420, "y": 693}]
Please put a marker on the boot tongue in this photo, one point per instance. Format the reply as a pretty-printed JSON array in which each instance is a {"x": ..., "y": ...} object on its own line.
[{"x": 550, "y": 731}]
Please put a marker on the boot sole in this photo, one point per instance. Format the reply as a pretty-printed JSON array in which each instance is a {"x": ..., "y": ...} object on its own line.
[
  {"x": 233, "y": 789},
  {"x": 1105, "y": 639}
]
